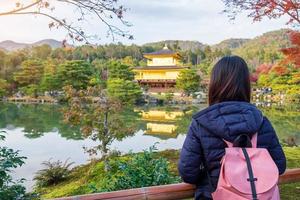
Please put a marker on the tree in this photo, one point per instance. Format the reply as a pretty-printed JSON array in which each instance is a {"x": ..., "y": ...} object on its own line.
[
  {"x": 120, "y": 71},
  {"x": 295, "y": 78},
  {"x": 102, "y": 66},
  {"x": 3, "y": 87},
  {"x": 3, "y": 57},
  {"x": 263, "y": 69},
  {"x": 85, "y": 52},
  {"x": 208, "y": 53},
  {"x": 98, "y": 117},
  {"x": 60, "y": 54},
  {"x": 30, "y": 73},
  {"x": 129, "y": 61},
  {"x": 30, "y": 90},
  {"x": 76, "y": 73},
  {"x": 103, "y": 10},
  {"x": 120, "y": 83},
  {"x": 292, "y": 54},
  {"x": 280, "y": 70},
  {"x": 101, "y": 70},
  {"x": 123, "y": 90},
  {"x": 188, "y": 81},
  {"x": 41, "y": 52},
  {"x": 50, "y": 80},
  {"x": 263, "y": 80},
  {"x": 260, "y": 9},
  {"x": 260, "y": 70}
]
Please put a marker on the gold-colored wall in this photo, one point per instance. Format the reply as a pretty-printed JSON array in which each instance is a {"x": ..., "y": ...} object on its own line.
[
  {"x": 160, "y": 128},
  {"x": 163, "y": 61},
  {"x": 156, "y": 74},
  {"x": 157, "y": 115},
  {"x": 160, "y": 122}
]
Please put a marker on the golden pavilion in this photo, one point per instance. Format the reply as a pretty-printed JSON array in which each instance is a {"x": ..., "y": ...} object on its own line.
[
  {"x": 161, "y": 72},
  {"x": 160, "y": 123}
]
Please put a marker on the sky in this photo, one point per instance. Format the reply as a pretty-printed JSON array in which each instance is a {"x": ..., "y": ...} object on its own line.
[{"x": 152, "y": 20}]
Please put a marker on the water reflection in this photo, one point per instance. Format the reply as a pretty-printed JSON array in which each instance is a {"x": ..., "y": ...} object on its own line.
[
  {"x": 40, "y": 134},
  {"x": 36, "y": 120},
  {"x": 163, "y": 122},
  {"x": 160, "y": 123}
]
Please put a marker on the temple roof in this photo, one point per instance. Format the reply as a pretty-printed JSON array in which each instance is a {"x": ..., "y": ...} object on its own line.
[{"x": 164, "y": 51}]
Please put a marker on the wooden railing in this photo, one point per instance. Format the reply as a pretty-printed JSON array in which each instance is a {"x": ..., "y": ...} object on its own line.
[{"x": 166, "y": 192}]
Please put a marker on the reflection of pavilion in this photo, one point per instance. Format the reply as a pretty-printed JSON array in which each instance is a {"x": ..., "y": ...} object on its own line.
[{"x": 161, "y": 123}]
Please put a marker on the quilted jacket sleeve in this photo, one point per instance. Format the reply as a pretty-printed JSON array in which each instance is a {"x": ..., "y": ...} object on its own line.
[
  {"x": 273, "y": 146},
  {"x": 190, "y": 163}
]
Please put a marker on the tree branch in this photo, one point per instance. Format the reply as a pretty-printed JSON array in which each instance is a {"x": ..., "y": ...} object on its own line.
[
  {"x": 21, "y": 9},
  {"x": 101, "y": 8}
]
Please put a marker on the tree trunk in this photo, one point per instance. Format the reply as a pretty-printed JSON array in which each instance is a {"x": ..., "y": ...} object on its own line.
[{"x": 104, "y": 144}]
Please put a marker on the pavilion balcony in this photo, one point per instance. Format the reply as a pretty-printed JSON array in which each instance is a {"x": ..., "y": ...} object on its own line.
[{"x": 156, "y": 80}]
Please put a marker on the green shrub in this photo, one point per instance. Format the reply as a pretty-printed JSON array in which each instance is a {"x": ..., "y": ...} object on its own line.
[
  {"x": 54, "y": 173},
  {"x": 139, "y": 170},
  {"x": 3, "y": 87},
  {"x": 9, "y": 160},
  {"x": 169, "y": 96},
  {"x": 30, "y": 90}
]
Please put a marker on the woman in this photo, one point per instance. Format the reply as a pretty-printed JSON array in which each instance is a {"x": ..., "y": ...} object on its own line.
[{"x": 229, "y": 115}]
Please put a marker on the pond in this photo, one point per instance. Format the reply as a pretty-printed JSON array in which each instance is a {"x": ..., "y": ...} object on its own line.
[{"x": 40, "y": 134}]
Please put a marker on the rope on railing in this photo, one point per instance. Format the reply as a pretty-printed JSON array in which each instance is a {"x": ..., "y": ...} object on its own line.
[{"x": 166, "y": 192}]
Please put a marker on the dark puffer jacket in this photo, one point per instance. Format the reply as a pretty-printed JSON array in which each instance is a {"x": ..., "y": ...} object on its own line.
[{"x": 225, "y": 120}]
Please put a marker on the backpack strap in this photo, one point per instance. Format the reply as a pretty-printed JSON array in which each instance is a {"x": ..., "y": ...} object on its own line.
[
  {"x": 229, "y": 144},
  {"x": 251, "y": 178},
  {"x": 254, "y": 140}
]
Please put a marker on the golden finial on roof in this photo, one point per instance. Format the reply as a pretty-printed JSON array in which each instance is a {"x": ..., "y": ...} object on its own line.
[{"x": 166, "y": 46}]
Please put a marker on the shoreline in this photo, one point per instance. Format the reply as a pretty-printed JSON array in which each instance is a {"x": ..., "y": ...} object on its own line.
[{"x": 69, "y": 187}]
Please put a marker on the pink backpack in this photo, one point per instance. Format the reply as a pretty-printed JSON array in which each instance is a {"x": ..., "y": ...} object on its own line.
[{"x": 247, "y": 173}]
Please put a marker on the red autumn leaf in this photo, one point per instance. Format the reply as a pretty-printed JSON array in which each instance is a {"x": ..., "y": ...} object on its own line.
[
  {"x": 280, "y": 70},
  {"x": 263, "y": 69},
  {"x": 292, "y": 54}
]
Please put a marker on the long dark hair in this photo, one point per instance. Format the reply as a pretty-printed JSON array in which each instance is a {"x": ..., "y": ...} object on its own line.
[{"x": 229, "y": 81}]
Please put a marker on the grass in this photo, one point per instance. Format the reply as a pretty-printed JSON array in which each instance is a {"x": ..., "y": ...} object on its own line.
[
  {"x": 78, "y": 182},
  {"x": 82, "y": 177},
  {"x": 291, "y": 191}
]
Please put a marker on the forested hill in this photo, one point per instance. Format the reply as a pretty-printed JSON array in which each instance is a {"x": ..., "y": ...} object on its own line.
[
  {"x": 244, "y": 47},
  {"x": 180, "y": 45},
  {"x": 278, "y": 38},
  {"x": 232, "y": 43},
  {"x": 264, "y": 48},
  {"x": 9, "y": 45},
  {"x": 261, "y": 49}
]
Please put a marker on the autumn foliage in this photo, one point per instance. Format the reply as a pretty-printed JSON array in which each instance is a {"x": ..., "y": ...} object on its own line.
[
  {"x": 260, "y": 9},
  {"x": 280, "y": 70},
  {"x": 263, "y": 68},
  {"x": 283, "y": 76},
  {"x": 292, "y": 54}
]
